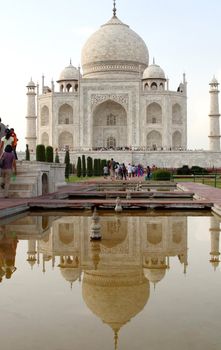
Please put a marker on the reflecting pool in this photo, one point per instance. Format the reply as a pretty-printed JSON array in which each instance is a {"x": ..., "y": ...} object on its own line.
[{"x": 152, "y": 282}]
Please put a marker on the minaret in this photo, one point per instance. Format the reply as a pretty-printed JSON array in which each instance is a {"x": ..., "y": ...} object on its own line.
[
  {"x": 214, "y": 235},
  {"x": 214, "y": 137},
  {"x": 31, "y": 117}
]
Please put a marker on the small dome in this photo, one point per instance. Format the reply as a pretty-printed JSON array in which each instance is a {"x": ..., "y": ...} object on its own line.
[
  {"x": 114, "y": 48},
  {"x": 70, "y": 274},
  {"x": 154, "y": 275},
  {"x": 31, "y": 83},
  {"x": 154, "y": 72},
  {"x": 69, "y": 73}
]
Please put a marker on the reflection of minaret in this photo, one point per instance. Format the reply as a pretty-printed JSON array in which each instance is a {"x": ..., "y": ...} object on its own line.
[
  {"x": 214, "y": 137},
  {"x": 214, "y": 235},
  {"x": 31, "y": 252}
]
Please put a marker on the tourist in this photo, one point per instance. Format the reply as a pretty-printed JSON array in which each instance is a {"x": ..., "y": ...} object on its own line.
[
  {"x": 124, "y": 172},
  {"x": 105, "y": 171},
  {"x": 129, "y": 171},
  {"x": 14, "y": 144},
  {"x": 111, "y": 168},
  {"x": 6, "y": 140},
  {"x": 148, "y": 172},
  {"x": 2, "y": 129},
  {"x": 9, "y": 165}
]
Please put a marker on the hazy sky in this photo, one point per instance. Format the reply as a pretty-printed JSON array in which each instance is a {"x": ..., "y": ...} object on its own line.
[{"x": 40, "y": 36}]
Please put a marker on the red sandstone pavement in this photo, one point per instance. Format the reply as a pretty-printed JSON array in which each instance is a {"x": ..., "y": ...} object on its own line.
[{"x": 204, "y": 193}]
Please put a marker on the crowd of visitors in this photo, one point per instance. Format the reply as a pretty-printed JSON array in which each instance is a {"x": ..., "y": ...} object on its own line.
[
  {"x": 119, "y": 171},
  {"x": 8, "y": 155}
]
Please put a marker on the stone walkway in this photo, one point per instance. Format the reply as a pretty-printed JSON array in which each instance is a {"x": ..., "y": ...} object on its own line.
[{"x": 205, "y": 195}]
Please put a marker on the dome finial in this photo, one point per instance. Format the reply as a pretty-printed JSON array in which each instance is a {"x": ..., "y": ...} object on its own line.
[
  {"x": 114, "y": 9},
  {"x": 116, "y": 340}
]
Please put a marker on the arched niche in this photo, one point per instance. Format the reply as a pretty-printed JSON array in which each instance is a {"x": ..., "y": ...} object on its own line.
[
  {"x": 44, "y": 116},
  {"x": 109, "y": 120},
  {"x": 66, "y": 232},
  {"x": 45, "y": 188},
  {"x": 176, "y": 114},
  {"x": 65, "y": 114},
  {"x": 176, "y": 140},
  {"x": 111, "y": 142},
  {"x": 154, "y": 113},
  {"x": 65, "y": 139},
  {"x": 154, "y": 233},
  {"x": 45, "y": 139},
  {"x": 153, "y": 86},
  {"x": 154, "y": 140}
]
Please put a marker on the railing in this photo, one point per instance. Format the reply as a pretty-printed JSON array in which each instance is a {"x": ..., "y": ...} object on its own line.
[{"x": 197, "y": 178}]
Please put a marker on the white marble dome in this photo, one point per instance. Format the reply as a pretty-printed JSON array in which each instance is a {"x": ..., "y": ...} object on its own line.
[
  {"x": 114, "y": 48},
  {"x": 69, "y": 73},
  {"x": 154, "y": 72}
]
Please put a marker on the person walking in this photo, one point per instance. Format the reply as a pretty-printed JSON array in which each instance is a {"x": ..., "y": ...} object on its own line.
[
  {"x": 9, "y": 165},
  {"x": 14, "y": 143},
  {"x": 6, "y": 140}
]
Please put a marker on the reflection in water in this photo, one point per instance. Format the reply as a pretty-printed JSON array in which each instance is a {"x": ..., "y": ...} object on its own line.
[{"x": 117, "y": 271}]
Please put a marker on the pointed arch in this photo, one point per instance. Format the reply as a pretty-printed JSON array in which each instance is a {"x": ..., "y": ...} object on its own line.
[
  {"x": 154, "y": 140},
  {"x": 44, "y": 116},
  {"x": 177, "y": 140},
  {"x": 154, "y": 113},
  {"x": 109, "y": 121},
  {"x": 65, "y": 139},
  {"x": 45, "y": 139},
  {"x": 65, "y": 114},
  {"x": 176, "y": 114}
]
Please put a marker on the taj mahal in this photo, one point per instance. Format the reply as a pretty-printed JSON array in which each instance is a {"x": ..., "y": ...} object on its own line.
[{"x": 118, "y": 103}]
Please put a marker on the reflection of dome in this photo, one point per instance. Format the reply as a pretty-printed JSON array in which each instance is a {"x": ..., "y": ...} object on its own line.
[
  {"x": 154, "y": 275},
  {"x": 115, "y": 297},
  {"x": 113, "y": 48},
  {"x": 69, "y": 73},
  {"x": 70, "y": 274},
  {"x": 154, "y": 72}
]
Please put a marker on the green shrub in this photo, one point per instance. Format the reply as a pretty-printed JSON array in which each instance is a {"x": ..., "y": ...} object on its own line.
[
  {"x": 40, "y": 153},
  {"x": 27, "y": 153},
  {"x": 79, "y": 167},
  {"x": 185, "y": 170},
  {"x": 197, "y": 170},
  {"x": 49, "y": 154},
  {"x": 84, "y": 172},
  {"x": 89, "y": 166},
  {"x": 161, "y": 175},
  {"x": 67, "y": 164}
]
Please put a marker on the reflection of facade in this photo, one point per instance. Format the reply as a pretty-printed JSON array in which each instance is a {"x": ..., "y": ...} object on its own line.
[
  {"x": 117, "y": 270},
  {"x": 134, "y": 253}
]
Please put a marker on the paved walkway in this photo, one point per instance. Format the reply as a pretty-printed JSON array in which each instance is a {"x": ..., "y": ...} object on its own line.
[{"x": 204, "y": 195}]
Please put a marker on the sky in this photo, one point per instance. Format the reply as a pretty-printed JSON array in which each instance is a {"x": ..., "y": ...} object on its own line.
[{"x": 40, "y": 36}]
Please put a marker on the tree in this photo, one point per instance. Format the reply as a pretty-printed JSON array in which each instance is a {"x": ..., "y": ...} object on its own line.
[
  {"x": 83, "y": 166},
  {"x": 56, "y": 156},
  {"x": 27, "y": 153},
  {"x": 40, "y": 153},
  {"x": 49, "y": 154},
  {"x": 67, "y": 164},
  {"x": 79, "y": 167},
  {"x": 89, "y": 167}
]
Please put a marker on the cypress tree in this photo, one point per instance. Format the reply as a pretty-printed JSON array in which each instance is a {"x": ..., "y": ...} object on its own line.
[
  {"x": 83, "y": 166},
  {"x": 67, "y": 164},
  {"x": 27, "y": 153},
  {"x": 79, "y": 167},
  {"x": 49, "y": 154},
  {"x": 40, "y": 153},
  {"x": 56, "y": 156},
  {"x": 89, "y": 167}
]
